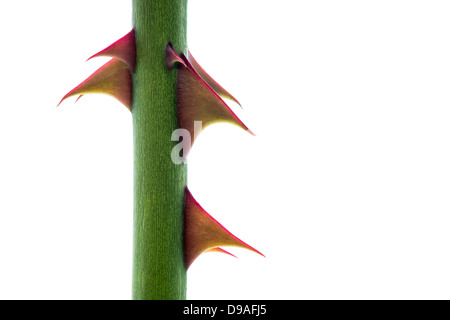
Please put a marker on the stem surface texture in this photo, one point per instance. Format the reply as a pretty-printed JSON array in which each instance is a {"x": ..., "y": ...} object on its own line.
[{"x": 159, "y": 270}]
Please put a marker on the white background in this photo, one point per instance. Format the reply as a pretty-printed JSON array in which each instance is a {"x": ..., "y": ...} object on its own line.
[{"x": 345, "y": 188}]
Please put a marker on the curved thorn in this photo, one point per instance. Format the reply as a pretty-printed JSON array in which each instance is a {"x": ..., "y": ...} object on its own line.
[
  {"x": 209, "y": 80},
  {"x": 113, "y": 78},
  {"x": 197, "y": 101},
  {"x": 123, "y": 49},
  {"x": 202, "y": 232}
]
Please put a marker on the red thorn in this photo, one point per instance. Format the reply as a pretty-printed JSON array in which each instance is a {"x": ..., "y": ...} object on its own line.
[
  {"x": 123, "y": 49},
  {"x": 172, "y": 57},
  {"x": 202, "y": 232},
  {"x": 113, "y": 78},
  {"x": 209, "y": 80},
  {"x": 197, "y": 101}
]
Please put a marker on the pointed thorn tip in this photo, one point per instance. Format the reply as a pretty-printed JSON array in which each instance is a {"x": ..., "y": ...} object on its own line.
[{"x": 204, "y": 233}]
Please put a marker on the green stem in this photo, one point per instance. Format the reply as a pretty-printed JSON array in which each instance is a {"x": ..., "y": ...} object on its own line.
[{"x": 159, "y": 271}]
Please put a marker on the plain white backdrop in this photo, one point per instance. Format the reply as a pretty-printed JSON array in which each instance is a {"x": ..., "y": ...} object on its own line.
[{"x": 345, "y": 188}]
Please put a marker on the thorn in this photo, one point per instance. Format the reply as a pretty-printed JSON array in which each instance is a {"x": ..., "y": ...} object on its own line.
[
  {"x": 202, "y": 232},
  {"x": 197, "y": 101},
  {"x": 209, "y": 80},
  {"x": 123, "y": 49},
  {"x": 113, "y": 78}
]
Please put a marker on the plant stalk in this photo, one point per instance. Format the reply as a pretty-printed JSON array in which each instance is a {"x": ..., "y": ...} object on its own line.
[{"x": 159, "y": 270}]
